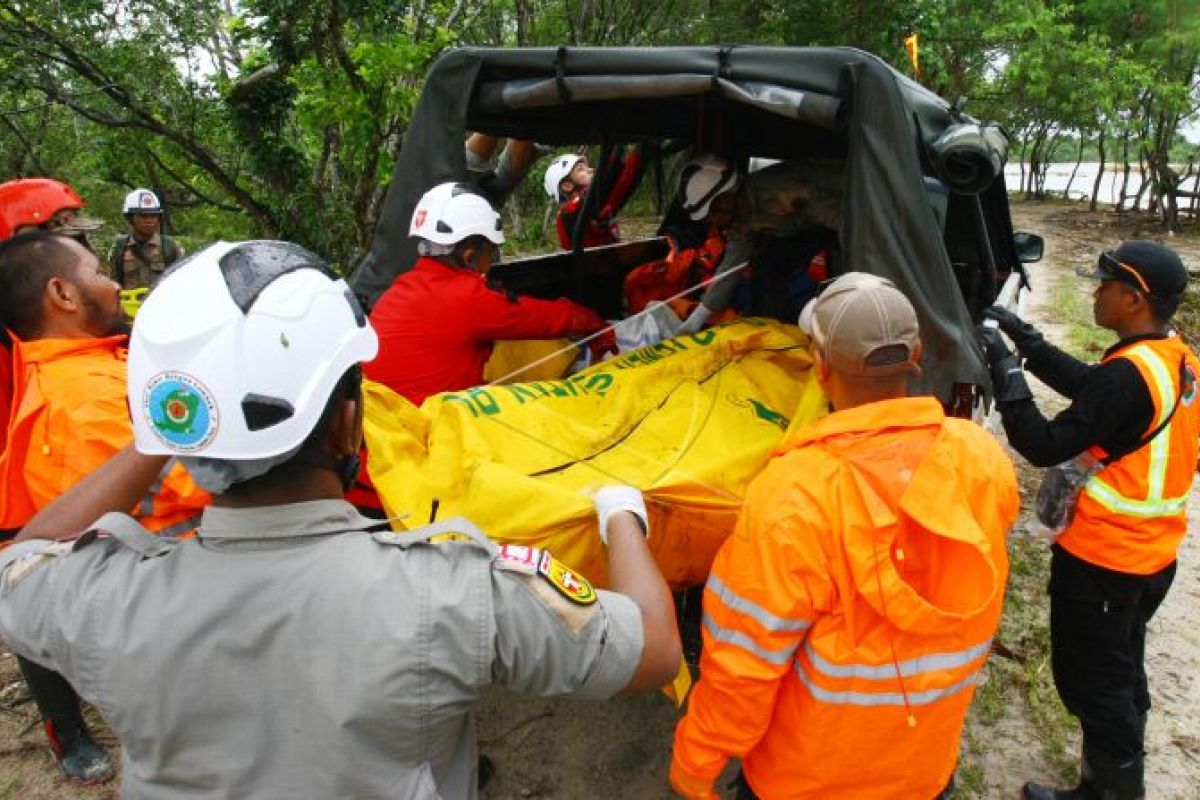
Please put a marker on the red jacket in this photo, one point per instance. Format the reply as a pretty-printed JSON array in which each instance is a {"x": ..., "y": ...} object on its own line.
[{"x": 436, "y": 326}]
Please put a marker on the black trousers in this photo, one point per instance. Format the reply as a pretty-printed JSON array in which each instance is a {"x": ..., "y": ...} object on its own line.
[
  {"x": 54, "y": 697},
  {"x": 1098, "y": 646}
]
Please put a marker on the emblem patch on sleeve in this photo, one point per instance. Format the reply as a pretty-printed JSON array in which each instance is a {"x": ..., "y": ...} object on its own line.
[
  {"x": 519, "y": 558},
  {"x": 566, "y": 581}
]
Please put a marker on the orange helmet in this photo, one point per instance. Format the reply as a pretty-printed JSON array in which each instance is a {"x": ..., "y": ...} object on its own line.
[{"x": 33, "y": 201}]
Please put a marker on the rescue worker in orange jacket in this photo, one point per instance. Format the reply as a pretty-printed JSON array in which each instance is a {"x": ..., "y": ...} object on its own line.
[
  {"x": 849, "y": 616},
  {"x": 708, "y": 198},
  {"x": 1135, "y": 418},
  {"x": 30, "y": 204},
  {"x": 69, "y": 416}
]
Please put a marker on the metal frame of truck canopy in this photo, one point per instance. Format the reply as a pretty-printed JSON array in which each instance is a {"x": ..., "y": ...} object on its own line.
[{"x": 751, "y": 101}]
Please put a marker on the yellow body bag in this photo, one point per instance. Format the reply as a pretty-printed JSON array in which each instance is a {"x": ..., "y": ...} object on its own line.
[{"x": 689, "y": 421}]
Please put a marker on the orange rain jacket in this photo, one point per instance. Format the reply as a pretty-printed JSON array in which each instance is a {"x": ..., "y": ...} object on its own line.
[
  {"x": 68, "y": 417},
  {"x": 1132, "y": 515},
  {"x": 847, "y": 619},
  {"x": 683, "y": 268},
  {"x": 5, "y": 385}
]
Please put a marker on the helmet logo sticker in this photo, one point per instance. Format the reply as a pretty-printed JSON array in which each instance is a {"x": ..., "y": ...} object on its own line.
[
  {"x": 181, "y": 411},
  {"x": 419, "y": 222}
]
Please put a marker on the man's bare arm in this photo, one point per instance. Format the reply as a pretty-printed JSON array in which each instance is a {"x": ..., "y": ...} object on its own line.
[{"x": 117, "y": 485}]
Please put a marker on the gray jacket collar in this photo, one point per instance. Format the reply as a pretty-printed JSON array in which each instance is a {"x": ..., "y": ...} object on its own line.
[{"x": 310, "y": 518}]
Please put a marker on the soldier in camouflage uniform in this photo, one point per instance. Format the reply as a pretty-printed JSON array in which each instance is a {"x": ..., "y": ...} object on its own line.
[{"x": 138, "y": 259}]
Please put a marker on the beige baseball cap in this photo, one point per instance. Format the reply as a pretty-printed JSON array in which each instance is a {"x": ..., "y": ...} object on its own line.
[{"x": 863, "y": 325}]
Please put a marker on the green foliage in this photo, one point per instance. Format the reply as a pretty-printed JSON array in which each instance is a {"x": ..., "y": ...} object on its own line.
[{"x": 283, "y": 118}]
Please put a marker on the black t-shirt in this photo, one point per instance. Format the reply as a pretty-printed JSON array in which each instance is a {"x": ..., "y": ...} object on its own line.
[{"x": 1110, "y": 406}]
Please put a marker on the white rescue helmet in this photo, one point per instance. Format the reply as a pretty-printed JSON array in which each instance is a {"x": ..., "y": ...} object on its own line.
[
  {"x": 142, "y": 201},
  {"x": 236, "y": 352},
  {"x": 451, "y": 212},
  {"x": 558, "y": 171},
  {"x": 704, "y": 179}
]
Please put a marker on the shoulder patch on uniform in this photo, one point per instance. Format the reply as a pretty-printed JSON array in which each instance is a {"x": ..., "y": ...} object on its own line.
[
  {"x": 29, "y": 563},
  {"x": 519, "y": 558},
  {"x": 566, "y": 581}
]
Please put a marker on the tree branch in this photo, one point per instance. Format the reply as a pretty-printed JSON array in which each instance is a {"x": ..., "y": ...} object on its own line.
[{"x": 179, "y": 179}]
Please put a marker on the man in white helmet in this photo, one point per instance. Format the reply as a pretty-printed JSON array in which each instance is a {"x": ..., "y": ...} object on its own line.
[
  {"x": 786, "y": 219},
  {"x": 438, "y": 321},
  {"x": 138, "y": 259},
  {"x": 292, "y": 649},
  {"x": 709, "y": 200},
  {"x": 568, "y": 181}
]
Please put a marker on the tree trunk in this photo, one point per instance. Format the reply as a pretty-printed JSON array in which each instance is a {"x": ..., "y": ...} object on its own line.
[
  {"x": 1099, "y": 173},
  {"x": 1125, "y": 176},
  {"x": 1144, "y": 185},
  {"x": 1078, "y": 159}
]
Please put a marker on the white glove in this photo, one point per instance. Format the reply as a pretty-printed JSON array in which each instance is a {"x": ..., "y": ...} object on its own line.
[
  {"x": 695, "y": 321},
  {"x": 611, "y": 499}
]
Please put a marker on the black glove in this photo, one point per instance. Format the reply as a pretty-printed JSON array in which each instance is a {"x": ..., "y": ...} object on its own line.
[
  {"x": 1008, "y": 380},
  {"x": 992, "y": 343},
  {"x": 1023, "y": 334}
]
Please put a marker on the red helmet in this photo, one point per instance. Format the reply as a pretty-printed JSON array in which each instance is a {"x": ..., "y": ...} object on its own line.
[{"x": 33, "y": 201}]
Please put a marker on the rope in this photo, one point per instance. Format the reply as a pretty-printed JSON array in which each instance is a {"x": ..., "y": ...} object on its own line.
[{"x": 579, "y": 343}]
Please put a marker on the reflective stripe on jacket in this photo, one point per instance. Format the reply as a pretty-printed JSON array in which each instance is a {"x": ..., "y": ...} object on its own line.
[
  {"x": 1132, "y": 515},
  {"x": 69, "y": 416},
  {"x": 847, "y": 619}
]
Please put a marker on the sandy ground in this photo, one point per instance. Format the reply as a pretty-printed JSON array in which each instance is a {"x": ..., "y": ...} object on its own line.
[{"x": 566, "y": 749}]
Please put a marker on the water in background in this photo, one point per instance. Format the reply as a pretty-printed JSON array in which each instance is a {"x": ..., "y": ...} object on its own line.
[{"x": 1081, "y": 189}]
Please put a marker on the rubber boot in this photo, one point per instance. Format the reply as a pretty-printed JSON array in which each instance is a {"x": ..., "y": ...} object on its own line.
[
  {"x": 77, "y": 755},
  {"x": 1124, "y": 781},
  {"x": 1036, "y": 791}
]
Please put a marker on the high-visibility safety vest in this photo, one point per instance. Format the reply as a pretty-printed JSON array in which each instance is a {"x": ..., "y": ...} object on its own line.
[
  {"x": 848, "y": 618},
  {"x": 1132, "y": 515},
  {"x": 69, "y": 416}
]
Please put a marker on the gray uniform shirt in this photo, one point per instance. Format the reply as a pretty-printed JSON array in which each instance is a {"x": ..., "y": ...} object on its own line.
[{"x": 278, "y": 656}]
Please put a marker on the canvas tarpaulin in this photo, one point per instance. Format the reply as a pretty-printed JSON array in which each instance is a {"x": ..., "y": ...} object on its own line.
[
  {"x": 689, "y": 421},
  {"x": 885, "y": 126}
]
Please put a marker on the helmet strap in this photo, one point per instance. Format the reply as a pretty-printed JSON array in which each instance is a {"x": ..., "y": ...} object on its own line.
[{"x": 346, "y": 467}]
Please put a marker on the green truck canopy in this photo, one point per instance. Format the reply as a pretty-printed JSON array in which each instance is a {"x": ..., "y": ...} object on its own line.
[{"x": 902, "y": 145}]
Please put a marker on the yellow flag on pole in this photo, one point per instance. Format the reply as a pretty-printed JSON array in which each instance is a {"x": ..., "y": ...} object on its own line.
[{"x": 913, "y": 45}]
